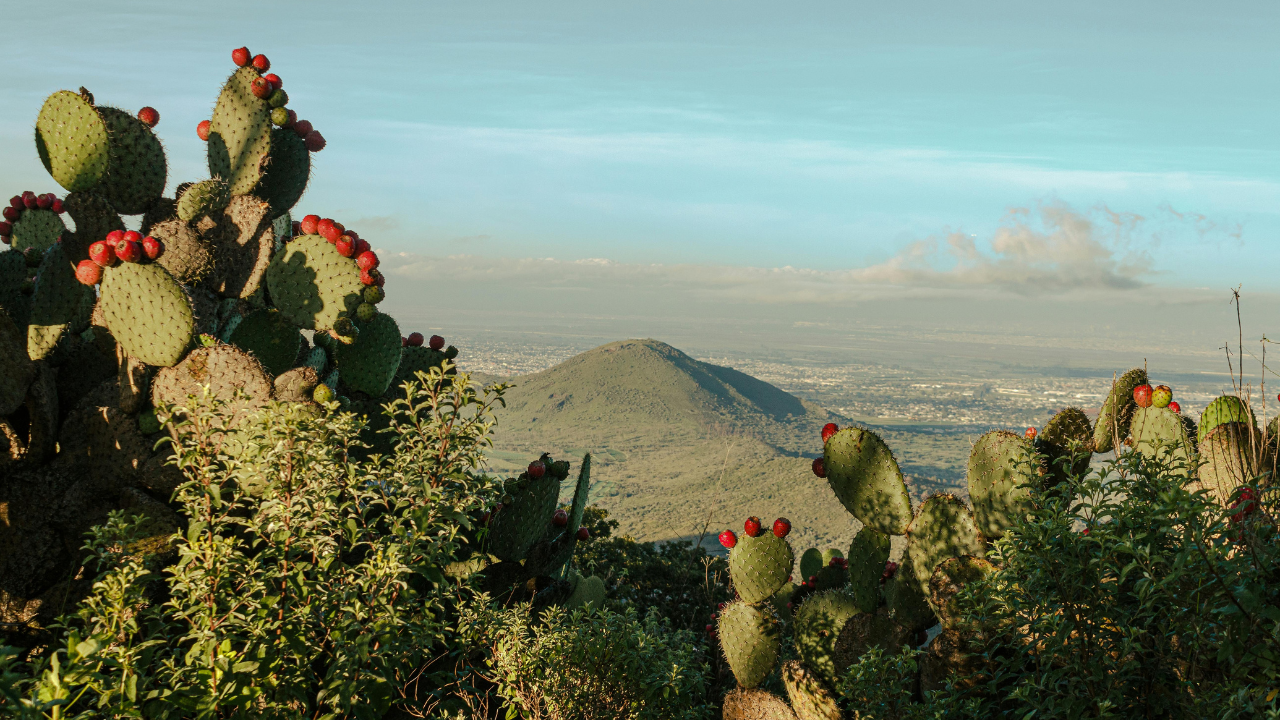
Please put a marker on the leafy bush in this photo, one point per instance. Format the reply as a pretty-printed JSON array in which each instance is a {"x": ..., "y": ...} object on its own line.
[
  {"x": 589, "y": 664},
  {"x": 307, "y": 585}
]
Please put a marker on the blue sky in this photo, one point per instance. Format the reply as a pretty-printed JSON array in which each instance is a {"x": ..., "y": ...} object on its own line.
[{"x": 840, "y": 137}]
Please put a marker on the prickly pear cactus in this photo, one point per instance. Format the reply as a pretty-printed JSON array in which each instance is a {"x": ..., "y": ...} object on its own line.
[
  {"x": 147, "y": 312},
  {"x": 760, "y": 565},
  {"x": 312, "y": 284},
  {"x": 72, "y": 141},
  {"x": 818, "y": 625},
  {"x": 867, "y": 556},
  {"x": 225, "y": 369},
  {"x": 369, "y": 364},
  {"x": 94, "y": 218},
  {"x": 38, "y": 229},
  {"x": 1160, "y": 432},
  {"x": 1067, "y": 443},
  {"x": 1002, "y": 470},
  {"x": 811, "y": 698},
  {"x": 588, "y": 591},
  {"x": 203, "y": 198},
  {"x": 949, "y": 577},
  {"x": 18, "y": 368},
  {"x": 56, "y": 303},
  {"x": 239, "y": 133},
  {"x": 751, "y": 638},
  {"x": 285, "y": 178},
  {"x": 810, "y": 563},
  {"x": 1113, "y": 419},
  {"x": 905, "y": 598},
  {"x": 136, "y": 167},
  {"x": 273, "y": 340},
  {"x": 945, "y": 528},
  {"x": 523, "y": 519},
  {"x": 755, "y": 704},
  {"x": 1223, "y": 410},
  {"x": 1228, "y": 455},
  {"x": 865, "y": 477}
]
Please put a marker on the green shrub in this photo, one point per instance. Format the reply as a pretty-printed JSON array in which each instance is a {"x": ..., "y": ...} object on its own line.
[{"x": 589, "y": 664}]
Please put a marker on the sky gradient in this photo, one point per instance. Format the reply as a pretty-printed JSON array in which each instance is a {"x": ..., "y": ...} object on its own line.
[{"x": 1027, "y": 148}]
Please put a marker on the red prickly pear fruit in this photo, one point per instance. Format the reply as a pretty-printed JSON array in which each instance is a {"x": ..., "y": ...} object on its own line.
[
  {"x": 415, "y": 339},
  {"x": 30, "y": 201},
  {"x": 366, "y": 260},
  {"x": 1142, "y": 396},
  {"x": 710, "y": 629},
  {"x": 560, "y": 519},
  {"x": 537, "y": 469},
  {"x": 583, "y": 534},
  {"x": 241, "y": 56},
  {"x": 324, "y": 226},
  {"x": 436, "y": 342},
  {"x": 362, "y": 246},
  {"x": 129, "y": 251},
  {"x": 752, "y": 526},
  {"x": 1174, "y": 406},
  {"x": 202, "y": 130},
  {"x": 1246, "y": 504},
  {"x": 44, "y": 202},
  {"x": 371, "y": 277},
  {"x": 819, "y": 467},
  {"x": 729, "y": 539},
  {"x": 404, "y": 341},
  {"x": 152, "y": 247},
  {"x": 6, "y": 228},
  {"x": 828, "y": 430},
  {"x": 308, "y": 224},
  {"x": 332, "y": 234},
  {"x": 57, "y": 205},
  {"x": 114, "y": 237},
  {"x": 302, "y": 127},
  {"x": 261, "y": 88},
  {"x": 274, "y": 79},
  {"x": 314, "y": 141},
  {"x": 1031, "y": 433},
  {"x": 149, "y": 116},
  {"x": 1161, "y": 396},
  {"x": 812, "y": 581},
  {"x": 17, "y": 202},
  {"x": 11, "y": 214},
  {"x": 261, "y": 63},
  {"x": 293, "y": 118},
  {"x": 346, "y": 246},
  {"x": 133, "y": 236},
  {"x": 89, "y": 272},
  {"x": 781, "y": 527},
  {"x": 102, "y": 254},
  {"x": 719, "y": 606}
]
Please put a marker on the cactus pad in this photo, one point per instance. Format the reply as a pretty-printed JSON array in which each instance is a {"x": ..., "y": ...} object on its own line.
[
  {"x": 295, "y": 385},
  {"x": 744, "y": 704},
  {"x": 524, "y": 517},
  {"x": 14, "y": 275},
  {"x": 239, "y": 133},
  {"x": 369, "y": 364},
  {"x": 18, "y": 368},
  {"x": 312, "y": 284},
  {"x": 94, "y": 218},
  {"x": 948, "y": 578},
  {"x": 1227, "y": 453},
  {"x": 865, "y": 477},
  {"x": 285, "y": 176},
  {"x": 241, "y": 242},
  {"x": 38, "y": 229},
  {"x": 818, "y": 624},
  {"x": 1160, "y": 431},
  {"x": 420, "y": 358},
  {"x": 147, "y": 312},
  {"x": 136, "y": 170},
  {"x": 207, "y": 197},
  {"x": 185, "y": 255},
  {"x": 865, "y": 631},
  {"x": 317, "y": 359},
  {"x": 224, "y": 368},
  {"x": 588, "y": 591},
  {"x": 270, "y": 338},
  {"x": 906, "y": 600},
  {"x": 1113, "y": 419},
  {"x": 1224, "y": 409},
  {"x": 868, "y": 554},
  {"x": 58, "y": 299},
  {"x": 810, "y": 563},
  {"x": 944, "y": 528},
  {"x": 810, "y": 697},
  {"x": 1001, "y": 467},
  {"x": 751, "y": 638},
  {"x": 1067, "y": 442},
  {"x": 72, "y": 141},
  {"x": 760, "y": 565}
]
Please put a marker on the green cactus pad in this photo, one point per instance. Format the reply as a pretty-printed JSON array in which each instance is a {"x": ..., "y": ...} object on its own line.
[
  {"x": 72, "y": 141},
  {"x": 207, "y": 197},
  {"x": 581, "y": 491},
  {"x": 1160, "y": 432},
  {"x": 760, "y": 565},
  {"x": 296, "y": 385},
  {"x": 136, "y": 171},
  {"x": 944, "y": 528},
  {"x": 239, "y": 133},
  {"x": 369, "y": 364},
  {"x": 312, "y": 284},
  {"x": 1114, "y": 417},
  {"x": 270, "y": 338},
  {"x": 751, "y": 638},
  {"x": 14, "y": 275},
  {"x": 1227, "y": 453},
  {"x": 868, "y": 554},
  {"x": 1224, "y": 409},
  {"x": 865, "y": 631},
  {"x": 225, "y": 369},
  {"x": 56, "y": 303},
  {"x": 865, "y": 477},
  {"x": 947, "y": 580},
  {"x": 241, "y": 241},
  {"x": 1001, "y": 472},
  {"x": 831, "y": 577},
  {"x": 524, "y": 517},
  {"x": 18, "y": 368},
  {"x": 285, "y": 176},
  {"x": 420, "y": 358},
  {"x": 907, "y": 603},
  {"x": 589, "y": 591},
  {"x": 810, "y": 563},
  {"x": 38, "y": 229},
  {"x": 94, "y": 218},
  {"x": 185, "y": 255},
  {"x": 818, "y": 624},
  {"x": 282, "y": 230},
  {"x": 147, "y": 312},
  {"x": 811, "y": 698},
  {"x": 1067, "y": 442},
  {"x": 317, "y": 359}
]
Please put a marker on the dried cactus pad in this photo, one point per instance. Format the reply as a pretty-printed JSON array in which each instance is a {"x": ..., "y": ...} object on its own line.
[
  {"x": 147, "y": 312},
  {"x": 270, "y": 338},
  {"x": 811, "y": 698},
  {"x": 1160, "y": 432},
  {"x": 1001, "y": 468},
  {"x": 185, "y": 256},
  {"x": 285, "y": 176},
  {"x": 949, "y": 577},
  {"x": 136, "y": 171},
  {"x": 760, "y": 565},
  {"x": 312, "y": 284},
  {"x": 751, "y": 639},
  {"x": 18, "y": 368},
  {"x": 57, "y": 301},
  {"x": 369, "y": 364},
  {"x": 72, "y": 141},
  {"x": 94, "y": 218},
  {"x": 239, "y": 133},
  {"x": 868, "y": 554},
  {"x": 1228, "y": 461},
  {"x": 225, "y": 369},
  {"x": 296, "y": 385},
  {"x": 944, "y": 529},
  {"x": 38, "y": 229},
  {"x": 242, "y": 243},
  {"x": 525, "y": 517},
  {"x": 819, "y": 621},
  {"x": 865, "y": 477},
  {"x": 1116, "y": 411},
  {"x": 1224, "y": 409}
]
